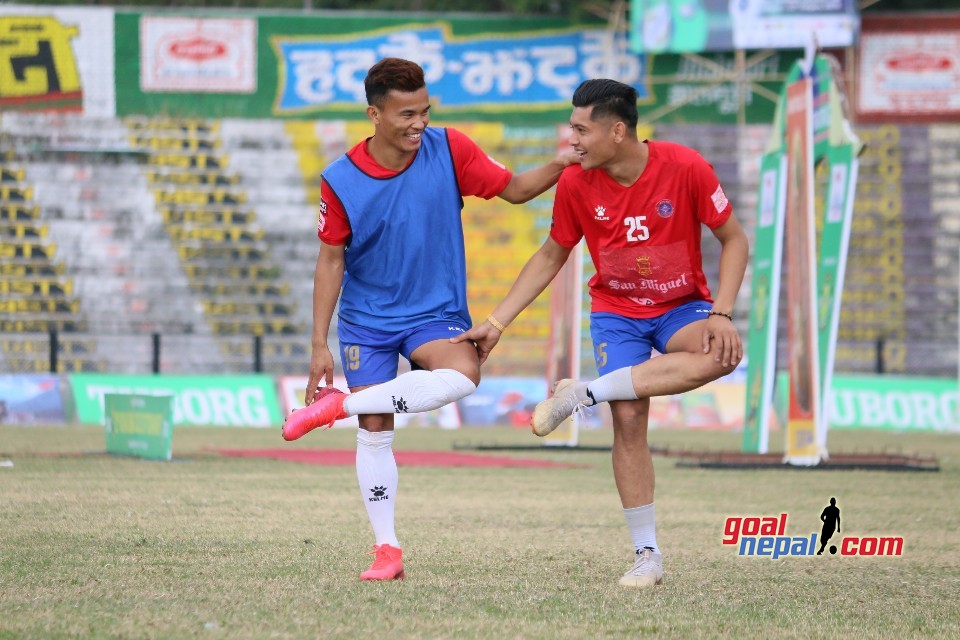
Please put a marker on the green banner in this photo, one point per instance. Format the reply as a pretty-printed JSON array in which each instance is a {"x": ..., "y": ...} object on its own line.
[
  {"x": 764, "y": 301},
  {"x": 897, "y": 403},
  {"x": 139, "y": 425},
  {"x": 835, "y": 142},
  {"x": 221, "y": 401},
  {"x": 842, "y": 166},
  {"x": 516, "y": 70},
  {"x": 708, "y": 88},
  {"x": 894, "y": 402},
  {"x": 502, "y": 68}
]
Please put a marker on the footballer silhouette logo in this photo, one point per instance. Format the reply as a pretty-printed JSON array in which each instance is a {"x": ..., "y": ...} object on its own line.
[
  {"x": 766, "y": 536},
  {"x": 830, "y": 517}
]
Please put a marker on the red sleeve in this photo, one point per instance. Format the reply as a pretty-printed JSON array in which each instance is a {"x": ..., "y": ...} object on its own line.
[
  {"x": 332, "y": 226},
  {"x": 565, "y": 228},
  {"x": 477, "y": 173},
  {"x": 713, "y": 206}
]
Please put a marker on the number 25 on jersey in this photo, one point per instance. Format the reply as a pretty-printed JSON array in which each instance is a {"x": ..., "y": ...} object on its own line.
[{"x": 636, "y": 231}]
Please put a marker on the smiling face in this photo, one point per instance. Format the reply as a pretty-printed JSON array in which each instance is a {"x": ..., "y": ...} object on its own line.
[
  {"x": 399, "y": 120},
  {"x": 595, "y": 141}
]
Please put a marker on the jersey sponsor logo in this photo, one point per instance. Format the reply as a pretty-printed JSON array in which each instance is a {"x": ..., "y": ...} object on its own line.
[
  {"x": 496, "y": 163},
  {"x": 665, "y": 208},
  {"x": 600, "y": 213},
  {"x": 719, "y": 199},
  {"x": 644, "y": 267},
  {"x": 322, "y": 220},
  {"x": 665, "y": 286}
]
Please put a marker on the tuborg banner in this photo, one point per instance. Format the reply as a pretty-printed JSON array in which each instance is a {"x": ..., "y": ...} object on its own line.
[{"x": 219, "y": 401}]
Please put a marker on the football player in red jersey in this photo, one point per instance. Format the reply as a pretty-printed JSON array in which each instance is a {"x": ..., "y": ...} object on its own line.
[{"x": 640, "y": 205}]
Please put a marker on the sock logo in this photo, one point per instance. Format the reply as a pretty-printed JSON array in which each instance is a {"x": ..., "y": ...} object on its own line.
[
  {"x": 593, "y": 400},
  {"x": 399, "y": 405},
  {"x": 379, "y": 493}
]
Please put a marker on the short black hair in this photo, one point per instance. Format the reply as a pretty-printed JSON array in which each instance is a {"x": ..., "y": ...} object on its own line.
[
  {"x": 608, "y": 98},
  {"x": 392, "y": 74}
]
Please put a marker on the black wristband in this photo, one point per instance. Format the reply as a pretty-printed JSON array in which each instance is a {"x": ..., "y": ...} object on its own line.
[{"x": 721, "y": 313}]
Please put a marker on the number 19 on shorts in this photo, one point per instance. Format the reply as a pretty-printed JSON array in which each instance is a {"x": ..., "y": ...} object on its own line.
[{"x": 351, "y": 357}]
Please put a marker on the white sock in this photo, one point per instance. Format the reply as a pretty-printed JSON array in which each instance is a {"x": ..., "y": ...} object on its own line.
[
  {"x": 378, "y": 478},
  {"x": 412, "y": 392},
  {"x": 642, "y": 523},
  {"x": 616, "y": 385}
]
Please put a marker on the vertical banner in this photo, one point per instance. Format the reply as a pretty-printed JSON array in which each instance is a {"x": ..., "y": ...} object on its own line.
[
  {"x": 804, "y": 397},
  {"x": 564, "y": 350},
  {"x": 139, "y": 425},
  {"x": 765, "y": 297},
  {"x": 834, "y": 242},
  {"x": 815, "y": 128}
]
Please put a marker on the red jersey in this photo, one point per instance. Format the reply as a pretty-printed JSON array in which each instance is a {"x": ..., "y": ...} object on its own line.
[
  {"x": 477, "y": 175},
  {"x": 644, "y": 239}
]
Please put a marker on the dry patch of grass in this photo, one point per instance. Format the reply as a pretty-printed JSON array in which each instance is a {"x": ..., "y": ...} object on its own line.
[{"x": 210, "y": 547}]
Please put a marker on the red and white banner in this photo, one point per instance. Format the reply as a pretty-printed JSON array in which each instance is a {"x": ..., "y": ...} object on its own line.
[
  {"x": 910, "y": 74},
  {"x": 198, "y": 54}
]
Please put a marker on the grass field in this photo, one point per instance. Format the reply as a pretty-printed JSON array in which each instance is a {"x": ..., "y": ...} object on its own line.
[{"x": 212, "y": 547}]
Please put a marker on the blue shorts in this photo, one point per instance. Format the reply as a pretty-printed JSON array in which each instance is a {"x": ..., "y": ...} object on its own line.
[
  {"x": 620, "y": 342},
  {"x": 369, "y": 356}
]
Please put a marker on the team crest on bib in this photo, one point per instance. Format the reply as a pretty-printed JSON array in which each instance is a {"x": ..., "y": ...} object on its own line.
[
  {"x": 643, "y": 266},
  {"x": 665, "y": 208}
]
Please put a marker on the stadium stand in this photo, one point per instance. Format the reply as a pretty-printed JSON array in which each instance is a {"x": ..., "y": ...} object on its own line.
[{"x": 204, "y": 233}]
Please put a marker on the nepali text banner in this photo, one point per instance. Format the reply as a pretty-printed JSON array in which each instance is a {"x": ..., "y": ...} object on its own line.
[
  {"x": 487, "y": 72},
  {"x": 56, "y": 59}
]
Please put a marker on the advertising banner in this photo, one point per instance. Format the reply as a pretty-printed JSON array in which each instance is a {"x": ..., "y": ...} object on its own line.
[
  {"x": 198, "y": 54},
  {"x": 56, "y": 59},
  {"x": 138, "y": 425},
  {"x": 227, "y": 401},
  {"x": 803, "y": 447},
  {"x": 894, "y": 403},
  {"x": 764, "y": 301},
  {"x": 843, "y": 166},
  {"x": 519, "y": 69},
  {"x": 693, "y": 26},
  {"x": 507, "y": 71},
  {"x": 312, "y": 65},
  {"x": 716, "y": 406},
  {"x": 30, "y": 399},
  {"x": 503, "y": 401},
  {"x": 910, "y": 75},
  {"x": 714, "y": 87}
]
